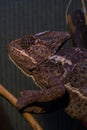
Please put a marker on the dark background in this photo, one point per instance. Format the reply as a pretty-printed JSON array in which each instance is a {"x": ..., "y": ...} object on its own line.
[{"x": 18, "y": 18}]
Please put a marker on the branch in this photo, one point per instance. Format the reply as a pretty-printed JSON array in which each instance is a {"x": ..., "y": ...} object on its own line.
[
  {"x": 84, "y": 9},
  {"x": 29, "y": 118}
]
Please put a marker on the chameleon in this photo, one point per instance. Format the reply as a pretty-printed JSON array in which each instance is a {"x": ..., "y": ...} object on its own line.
[{"x": 61, "y": 73}]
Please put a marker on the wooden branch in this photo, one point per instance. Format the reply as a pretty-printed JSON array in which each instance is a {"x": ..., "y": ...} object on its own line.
[
  {"x": 29, "y": 118},
  {"x": 85, "y": 12},
  {"x": 67, "y": 9}
]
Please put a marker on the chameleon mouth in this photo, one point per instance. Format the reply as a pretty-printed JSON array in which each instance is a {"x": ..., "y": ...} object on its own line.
[
  {"x": 21, "y": 59},
  {"x": 23, "y": 71}
]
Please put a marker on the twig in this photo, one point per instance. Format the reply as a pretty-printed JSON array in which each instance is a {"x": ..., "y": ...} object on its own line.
[
  {"x": 85, "y": 12},
  {"x": 29, "y": 118},
  {"x": 67, "y": 9}
]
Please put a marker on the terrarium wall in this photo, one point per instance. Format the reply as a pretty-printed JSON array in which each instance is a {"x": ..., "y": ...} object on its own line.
[{"x": 19, "y": 18}]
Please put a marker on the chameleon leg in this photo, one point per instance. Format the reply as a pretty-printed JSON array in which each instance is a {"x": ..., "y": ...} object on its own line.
[{"x": 28, "y": 97}]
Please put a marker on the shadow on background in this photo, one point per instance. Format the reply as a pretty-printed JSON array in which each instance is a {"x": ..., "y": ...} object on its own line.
[{"x": 4, "y": 119}]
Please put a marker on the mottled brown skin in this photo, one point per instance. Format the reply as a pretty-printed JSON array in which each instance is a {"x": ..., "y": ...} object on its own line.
[{"x": 52, "y": 69}]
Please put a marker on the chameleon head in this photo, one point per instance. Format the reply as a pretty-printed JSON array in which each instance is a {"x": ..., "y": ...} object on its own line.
[{"x": 29, "y": 51}]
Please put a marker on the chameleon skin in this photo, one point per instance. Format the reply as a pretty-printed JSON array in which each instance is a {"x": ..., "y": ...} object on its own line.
[{"x": 51, "y": 73}]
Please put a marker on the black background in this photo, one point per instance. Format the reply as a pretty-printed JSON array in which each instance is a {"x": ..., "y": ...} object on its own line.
[{"x": 18, "y": 18}]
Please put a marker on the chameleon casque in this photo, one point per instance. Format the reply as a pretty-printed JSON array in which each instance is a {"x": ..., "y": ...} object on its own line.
[{"x": 58, "y": 72}]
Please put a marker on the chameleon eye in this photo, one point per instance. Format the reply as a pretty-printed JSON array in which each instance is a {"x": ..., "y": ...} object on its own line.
[{"x": 27, "y": 41}]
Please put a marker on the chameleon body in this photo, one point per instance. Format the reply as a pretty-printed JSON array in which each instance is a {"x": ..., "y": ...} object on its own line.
[{"x": 57, "y": 71}]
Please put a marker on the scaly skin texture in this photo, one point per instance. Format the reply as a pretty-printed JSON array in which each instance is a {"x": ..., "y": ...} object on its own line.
[{"x": 59, "y": 72}]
